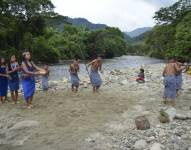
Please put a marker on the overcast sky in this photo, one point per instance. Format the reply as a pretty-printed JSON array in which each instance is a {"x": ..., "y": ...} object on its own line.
[{"x": 125, "y": 14}]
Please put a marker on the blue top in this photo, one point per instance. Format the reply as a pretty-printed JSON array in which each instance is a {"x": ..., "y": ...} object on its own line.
[{"x": 14, "y": 75}]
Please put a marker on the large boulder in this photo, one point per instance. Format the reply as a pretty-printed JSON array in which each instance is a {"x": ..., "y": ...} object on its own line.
[{"x": 142, "y": 123}]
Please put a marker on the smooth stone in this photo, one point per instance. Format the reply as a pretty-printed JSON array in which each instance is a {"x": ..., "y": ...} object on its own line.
[
  {"x": 142, "y": 123},
  {"x": 156, "y": 146},
  {"x": 140, "y": 145}
]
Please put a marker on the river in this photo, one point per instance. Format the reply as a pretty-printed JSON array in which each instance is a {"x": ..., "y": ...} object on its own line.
[{"x": 58, "y": 72}]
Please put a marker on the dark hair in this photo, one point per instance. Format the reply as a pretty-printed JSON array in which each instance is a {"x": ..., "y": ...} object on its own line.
[
  {"x": 1, "y": 62},
  {"x": 24, "y": 53},
  {"x": 142, "y": 70}
]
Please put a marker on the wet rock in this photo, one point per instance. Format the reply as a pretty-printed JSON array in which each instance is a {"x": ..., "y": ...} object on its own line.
[
  {"x": 156, "y": 146},
  {"x": 140, "y": 145},
  {"x": 142, "y": 123}
]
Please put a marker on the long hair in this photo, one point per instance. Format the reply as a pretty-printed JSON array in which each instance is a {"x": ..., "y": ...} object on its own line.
[{"x": 24, "y": 54}]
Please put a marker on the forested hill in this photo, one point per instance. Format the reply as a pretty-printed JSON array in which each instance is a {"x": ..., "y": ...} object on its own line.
[
  {"x": 138, "y": 31},
  {"x": 79, "y": 22},
  {"x": 172, "y": 34},
  {"x": 33, "y": 25}
]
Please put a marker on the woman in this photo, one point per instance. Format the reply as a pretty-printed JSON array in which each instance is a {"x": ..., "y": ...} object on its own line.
[
  {"x": 3, "y": 80},
  {"x": 29, "y": 70},
  {"x": 13, "y": 69}
]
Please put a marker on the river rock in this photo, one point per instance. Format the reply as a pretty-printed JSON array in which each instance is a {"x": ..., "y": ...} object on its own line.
[
  {"x": 25, "y": 124},
  {"x": 140, "y": 145},
  {"x": 156, "y": 146},
  {"x": 167, "y": 114},
  {"x": 181, "y": 117},
  {"x": 142, "y": 123}
]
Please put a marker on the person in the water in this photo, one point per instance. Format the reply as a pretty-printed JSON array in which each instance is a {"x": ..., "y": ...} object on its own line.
[
  {"x": 96, "y": 66},
  {"x": 13, "y": 69},
  {"x": 28, "y": 77}
]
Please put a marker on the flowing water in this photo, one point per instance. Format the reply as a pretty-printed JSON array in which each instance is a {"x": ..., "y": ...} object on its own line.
[{"x": 60, "y": 71}]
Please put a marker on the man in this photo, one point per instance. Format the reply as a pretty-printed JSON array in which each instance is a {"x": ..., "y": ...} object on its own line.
[
  {"x": 170, "y": 84},
  {"x": 96, "y": 66},
  {"x": 75, "y": 81}
]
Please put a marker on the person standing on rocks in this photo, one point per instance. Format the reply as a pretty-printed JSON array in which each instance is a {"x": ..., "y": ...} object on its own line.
[
  {"x": 3, "y": 80},
  {"x": 96, "y": 66},
  {"x": 170, "y": 84},
  {"x": 29, "y": 70},
  {"x": 13, "y": 69},
  {"x": 75, "y": 81},
  {"x": 179, "y": 77}
]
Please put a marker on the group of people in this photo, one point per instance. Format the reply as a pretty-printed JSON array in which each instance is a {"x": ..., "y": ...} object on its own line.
[
  {"x": 172, "y": 74},
  {"x": 12, "y": 73},
  {"x": 96, "y": 81},
  {"x": 9, "y": 77}
]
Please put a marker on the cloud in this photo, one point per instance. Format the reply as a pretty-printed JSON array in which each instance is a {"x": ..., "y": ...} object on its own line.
[{"x": 125, "y": 14}]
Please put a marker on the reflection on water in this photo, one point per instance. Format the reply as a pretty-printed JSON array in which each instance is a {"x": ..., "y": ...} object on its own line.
[{"x": 58, "y": 72}]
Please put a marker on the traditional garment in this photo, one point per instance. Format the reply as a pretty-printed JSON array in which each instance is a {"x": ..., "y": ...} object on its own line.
[
  {"x": 3, "y": 82},
  {"x": 95, "y": 78},
  {"x": 170, "y": 87},
  {"x": 28, "y": 83},
  {"x": 75, "y": 81},
  {"x": 14, "y": 81},
  {"x": 179, "y": 81},
  {"x": 45, "y": 83}
]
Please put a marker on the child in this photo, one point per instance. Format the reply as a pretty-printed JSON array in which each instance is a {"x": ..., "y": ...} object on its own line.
[
  {"x": 141, "y": 76},
  {"x": 13, "y": 69},
  {"x": 3, "y": 80},
  {"x": 45, "y": 79}
]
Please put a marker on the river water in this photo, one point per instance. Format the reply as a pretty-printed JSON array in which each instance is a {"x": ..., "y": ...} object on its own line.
[{"x": 58, "y": 72}]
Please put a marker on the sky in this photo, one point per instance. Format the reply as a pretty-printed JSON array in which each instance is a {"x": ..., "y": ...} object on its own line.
[{"x": 124, "y": 14}]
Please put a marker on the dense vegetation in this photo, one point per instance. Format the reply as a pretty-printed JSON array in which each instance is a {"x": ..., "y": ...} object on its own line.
[
  {"x": 30, "y": 24},
  {"x": 171, "y": 36},
  {"x": 33, "y": 25}
]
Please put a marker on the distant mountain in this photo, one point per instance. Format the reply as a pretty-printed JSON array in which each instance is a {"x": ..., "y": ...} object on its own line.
[
  {"x": 138, "y": 31},
  {"x": 59, "y": 21},
  {"x": 86, "y": 23}
]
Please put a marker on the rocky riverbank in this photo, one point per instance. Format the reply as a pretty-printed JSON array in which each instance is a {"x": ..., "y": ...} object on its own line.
[{"x": 104, "y": 121}]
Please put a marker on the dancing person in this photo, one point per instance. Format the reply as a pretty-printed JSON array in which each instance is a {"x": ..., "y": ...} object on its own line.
[
  {"x": 29, "y": 70},
  {"x": 45, "y": 85},
  {"x": 13, "y": 69},
  {"x": 96, "y": 66},
  {"x": 75, "y": 81},
  {"x": 170, "y": 84},
  {"x": 3, "y": 80}
]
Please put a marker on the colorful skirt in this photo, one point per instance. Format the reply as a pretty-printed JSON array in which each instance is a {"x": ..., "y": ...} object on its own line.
[
  {"x": 3, "y": 86},
  {"x": 95, "y": 78},
  {"x": 28, "y": 85},
  {"x": 170, "y": 87},
  {"x": 75, "y": 81},
  {"x": 14, "y": 85},
  {"x": 179, "y": 81}
]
